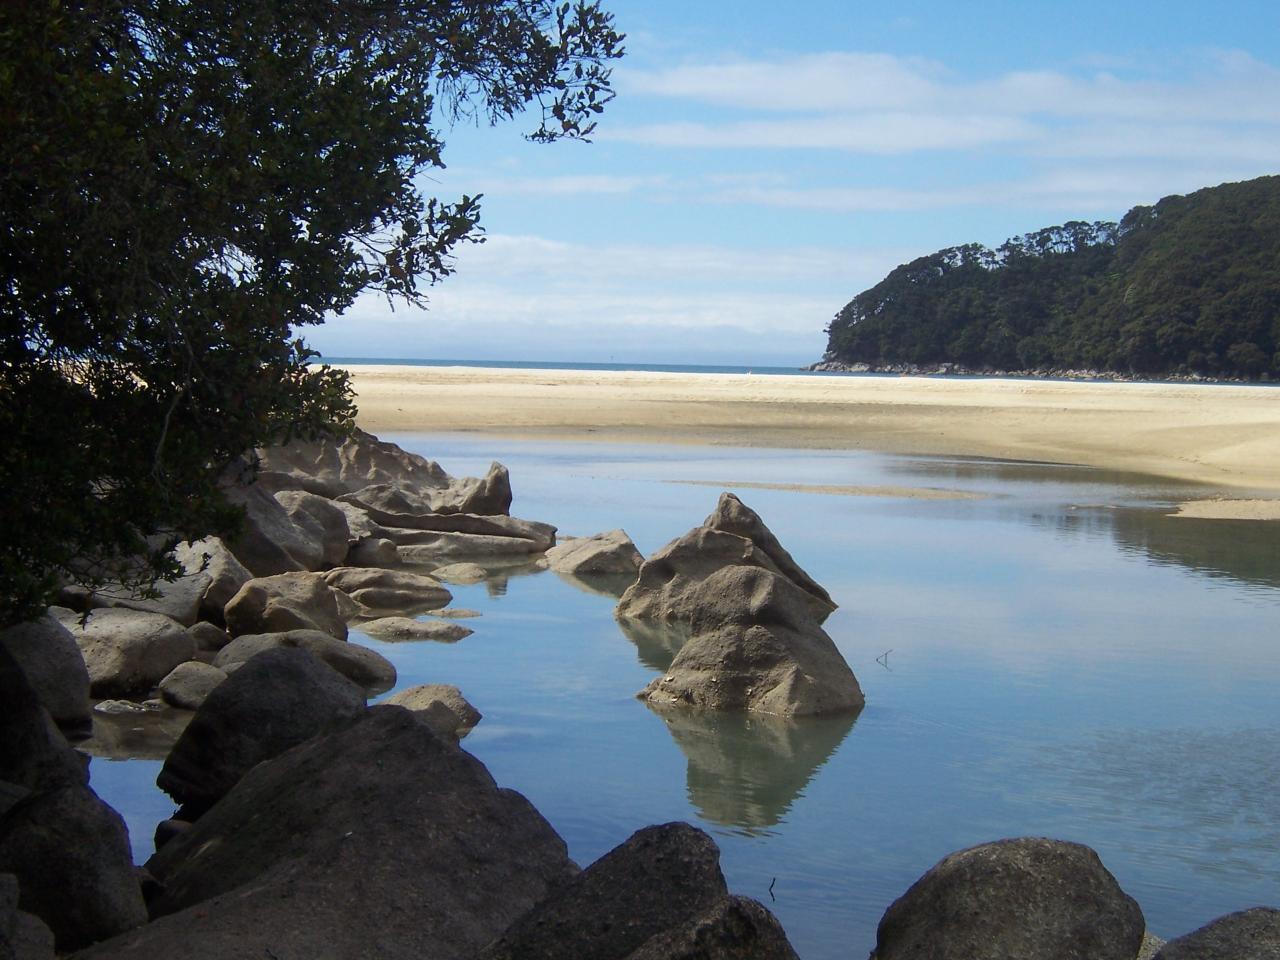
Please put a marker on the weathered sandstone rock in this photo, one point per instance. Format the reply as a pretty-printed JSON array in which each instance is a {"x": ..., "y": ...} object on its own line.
[
  {"x": 601, "y": 555},
  {"x": 269, "y": 542},
  {"x": 288, "y": 601},
  {"x": 391, "y": 590},
  {"x": 126, "y": 651},
  {"x": 322, "y": 520},
  {"x": 378, "y": 841},
  {"x": 189, "y": 684},
  {"x": 439, "y": 705},
  {"x": 1029, "y": 897},
  {"x": 53, "y": 665},
  {"x": 398, "y": 629},
  {"x": 275, "y": 701},
  {"x": 364, "y": 667},
  {"x": 373, "y": 552},
  {"x": 461, "y": 573}
]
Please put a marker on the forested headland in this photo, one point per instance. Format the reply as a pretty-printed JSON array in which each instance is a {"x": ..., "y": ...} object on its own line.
[{"x": 1187, "y": 287}]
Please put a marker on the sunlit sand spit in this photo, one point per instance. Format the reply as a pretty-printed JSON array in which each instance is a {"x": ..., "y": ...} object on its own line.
[{"x": 1224, "y": 435}]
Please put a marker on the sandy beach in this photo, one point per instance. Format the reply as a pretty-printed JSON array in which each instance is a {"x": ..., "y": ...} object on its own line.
[{"x": 1224, "y": 436}]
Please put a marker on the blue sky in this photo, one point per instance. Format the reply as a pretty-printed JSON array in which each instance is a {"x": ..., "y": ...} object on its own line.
[{"x": 762, "y": 165}]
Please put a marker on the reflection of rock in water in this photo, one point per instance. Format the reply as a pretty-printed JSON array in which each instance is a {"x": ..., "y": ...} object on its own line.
[
  {"x": 611, "y": 585},
  {"x": 746, "y": 770},
  {"x": 656, "y": 643},
  {"x": 136, "y": 736}
]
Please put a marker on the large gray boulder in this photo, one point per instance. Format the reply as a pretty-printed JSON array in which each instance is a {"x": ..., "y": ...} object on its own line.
[
  {"x": 275, "y": 701},
  {"x": 364, "y": 667},
  {"x": 1031, "y": 898},
  {"x": 733, "y": 928},
  {"x": 605, "y": 554},
  {"x": 189, "y": 684},
  {"x": 126, "y": 652},
  {"x": 655, "y": 881},
  {"x": 71, "y": 855},
  {"x": 389, "y": 590},
  {"x": 323, "y": 521},
  {"x": 1246, "y": 935},
  {"x": 49, "y": 657},
  {"x": 33, "y": 754},
  {"x": 268, "y": 541},
  {"x": 338, "y": 466},
  {"x": 178, "y": 599},
  {"x": 226, "y": 574},
  {"x": 754, "y": 648},
  {"x": 379, "y": 841},
  {"x": 439, "y": 705},
  {"x": 732, "y": 535},
  {"x": 287, "y": 601}
]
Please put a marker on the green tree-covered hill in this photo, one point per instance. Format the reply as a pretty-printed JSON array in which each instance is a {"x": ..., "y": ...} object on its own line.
[{"x": 1188, "y": 286}]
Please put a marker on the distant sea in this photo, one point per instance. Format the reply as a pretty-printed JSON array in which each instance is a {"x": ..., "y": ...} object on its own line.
[{"x": 567, "y": 365}]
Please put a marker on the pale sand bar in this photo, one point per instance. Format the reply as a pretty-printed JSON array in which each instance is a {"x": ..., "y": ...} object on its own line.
[{"x": 1226, "y": 436}]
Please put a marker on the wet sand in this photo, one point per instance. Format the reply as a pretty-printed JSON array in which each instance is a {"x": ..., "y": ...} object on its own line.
[{"x": 1224, "y": 436}]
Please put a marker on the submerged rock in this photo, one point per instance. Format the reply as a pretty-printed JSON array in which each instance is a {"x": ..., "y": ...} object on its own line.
[
  {"x": 399, "y": 629},
  {"x": 1030, "y": 898}
]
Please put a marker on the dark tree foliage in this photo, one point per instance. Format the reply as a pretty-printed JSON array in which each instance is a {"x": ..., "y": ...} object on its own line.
[
  {"x": 1189, "y": 286},
  {"x": 185, "y": 183}
]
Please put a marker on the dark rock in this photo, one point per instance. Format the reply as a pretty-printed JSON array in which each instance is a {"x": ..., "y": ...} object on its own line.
[
  {"x": 189, "y": 684},
  {"x": 70, "y": 853},
  {"x": 288, "y": 601},
  {"x": 170, "y": 829},
  {"x": 53, "y": 665},
  {"x": 126, "y": 651},
  {"x": 734, "y": 928},
  {"x": 33, "y": 754},
  {"x": 275, "y": 701},
  {"x": 1029, "y": 898},
  {"x": 364, "y": 667},
  {"x": 23, "y": 936},
  {"x": 1246, "y": 935},
  {"x": 657, "y": 880},
  {"x": 379, "y": 841}
]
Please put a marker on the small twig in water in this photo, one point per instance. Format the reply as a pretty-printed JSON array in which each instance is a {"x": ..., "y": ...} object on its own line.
[
  {"x": 883, "y": 659},
  {"x": 771, "y": 883}
]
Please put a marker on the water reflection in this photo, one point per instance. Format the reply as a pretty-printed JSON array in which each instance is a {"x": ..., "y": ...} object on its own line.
[
  {"x": 136, "y": 736},
  {"x": 656, "y": 643},
  {"x": 1244, "y": 550},
  {"x": 611, "y": 585},
  {"x": 746, "y": 770}
]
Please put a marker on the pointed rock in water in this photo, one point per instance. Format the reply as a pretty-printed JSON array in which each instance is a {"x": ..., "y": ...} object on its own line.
[
  {"x": 1031, "y": 898},
  {"x": 378, "y": 841},
  {"x": 1246, "y": 935}
]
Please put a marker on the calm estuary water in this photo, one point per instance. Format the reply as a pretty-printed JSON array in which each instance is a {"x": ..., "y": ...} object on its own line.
[{"x": 1053, "y": 656}]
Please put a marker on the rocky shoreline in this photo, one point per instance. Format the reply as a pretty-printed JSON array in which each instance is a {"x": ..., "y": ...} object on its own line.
[
  {"x": 309, "y": 823},
  {"x": 828, "y": 365}
]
